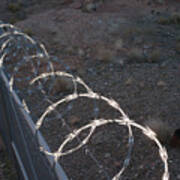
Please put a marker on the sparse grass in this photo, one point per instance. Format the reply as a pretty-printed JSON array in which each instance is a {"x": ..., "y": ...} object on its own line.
[
  {"x": 70, "y": 50},
  {"x": 14, "y": 7},
  {"x": 136, "y": 54},
  {"x": 62, "y": 84},
  {"x": 8, "y": 168},
  {"x": 148, "y": 30},
  {"x": 163, "y": 21},
  {"x": 174, "y": 18},
  {"x": 177, "y": 47},
  {"x": 104, "y": 54},
  {"x": 178, "y": 38},
  {"x": 132, "y": 31},
  {"x": 28, "y": 31},
  {"x": 13, "y": 20},
  {"x": 155, "y": 56},
  {"x": 118, "y": 45}
]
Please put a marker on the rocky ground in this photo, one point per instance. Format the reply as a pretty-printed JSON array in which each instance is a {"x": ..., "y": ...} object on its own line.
[
  {"x": 7, "y": 170},
  {"x": 126, "y": 50}
]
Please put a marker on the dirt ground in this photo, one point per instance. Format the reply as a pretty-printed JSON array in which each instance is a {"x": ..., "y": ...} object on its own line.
[
  {"x": 7, "y": 170},
  {"x": 126, "y": 50}
]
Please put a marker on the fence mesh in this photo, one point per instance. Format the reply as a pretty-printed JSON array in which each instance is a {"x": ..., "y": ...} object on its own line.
[{"x": 44, "y": 88}]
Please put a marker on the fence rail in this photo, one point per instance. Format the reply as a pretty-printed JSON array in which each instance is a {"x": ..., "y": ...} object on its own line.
[{"x": 22, "y": 140}]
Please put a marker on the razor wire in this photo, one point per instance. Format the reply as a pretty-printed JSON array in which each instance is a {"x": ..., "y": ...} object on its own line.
[{"x": 36, "y": 57}]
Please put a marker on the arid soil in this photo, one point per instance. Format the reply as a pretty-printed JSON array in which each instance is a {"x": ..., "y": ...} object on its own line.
[
  {"x": 7, "y": 170},
  {"x": 126, "y": 50}
]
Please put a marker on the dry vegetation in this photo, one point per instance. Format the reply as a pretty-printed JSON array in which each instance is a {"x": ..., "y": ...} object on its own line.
[{"x": 124, "y": 52}]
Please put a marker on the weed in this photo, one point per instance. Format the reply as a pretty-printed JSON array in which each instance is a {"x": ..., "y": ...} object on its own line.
[
  {"x": 132, "y": 31},
  {"x": 136, "y": 54},
  {"x": 14, "y": 7},
  {"x": 174, "y": 18},
  {"x": 177, "y": 47},
  {"x": 105, "y": 55},
  {"x": 28, "y": 31},
  {"x": 163, "y": 21},
  {"x": 154, "y": 56},
  {"x": 13, "y": 20}
]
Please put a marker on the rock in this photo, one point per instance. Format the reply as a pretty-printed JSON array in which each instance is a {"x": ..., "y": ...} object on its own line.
[
  {"x": 76, "y": 5},
  {"x": 88, "y": 56},
  {"x": 81, "y": 52},
  {"x": 138, "y": 40},
  {"x": 164, "y": 64},
  {"x": 107, "y": 155},
  {"x": 118, "y": 44},
  {"x": 129, "y": 81},
  {"x": 100, "y": 138},
  {"x": 161, "y": 83},
  {"x": 88, "y": 50},
  {"x": 141, "y": 84},
  {"x": 89, "y": 7},
  {"x": 121, "y": 62}
]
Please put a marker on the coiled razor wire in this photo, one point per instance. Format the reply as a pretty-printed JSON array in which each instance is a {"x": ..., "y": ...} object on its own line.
[{"x": 9, "y": 34}]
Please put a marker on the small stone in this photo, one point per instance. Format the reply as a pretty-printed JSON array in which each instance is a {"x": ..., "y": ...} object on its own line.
[
  {"x": 118, "y": 44},
  {"x": 107, "y": 155},
  {"x": 89, "y": 7},
  {"x": 81, "y": 71},
  {"x": 81, "y": 52},
  {"x": 106, "y": 83},
  {"x": 121, "y": 62},
  {"x": 138, "y": 40},
  {"x": 129, "y": 81},
  {"x": 88, "y": 50},
  {"x": 146, "y": 46},
  {"x": 141, "y": 84},
  {"x": 161, "y": 83},
  {"x": 164, "y": 64},
  {"x": 88, "y": 56}
]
